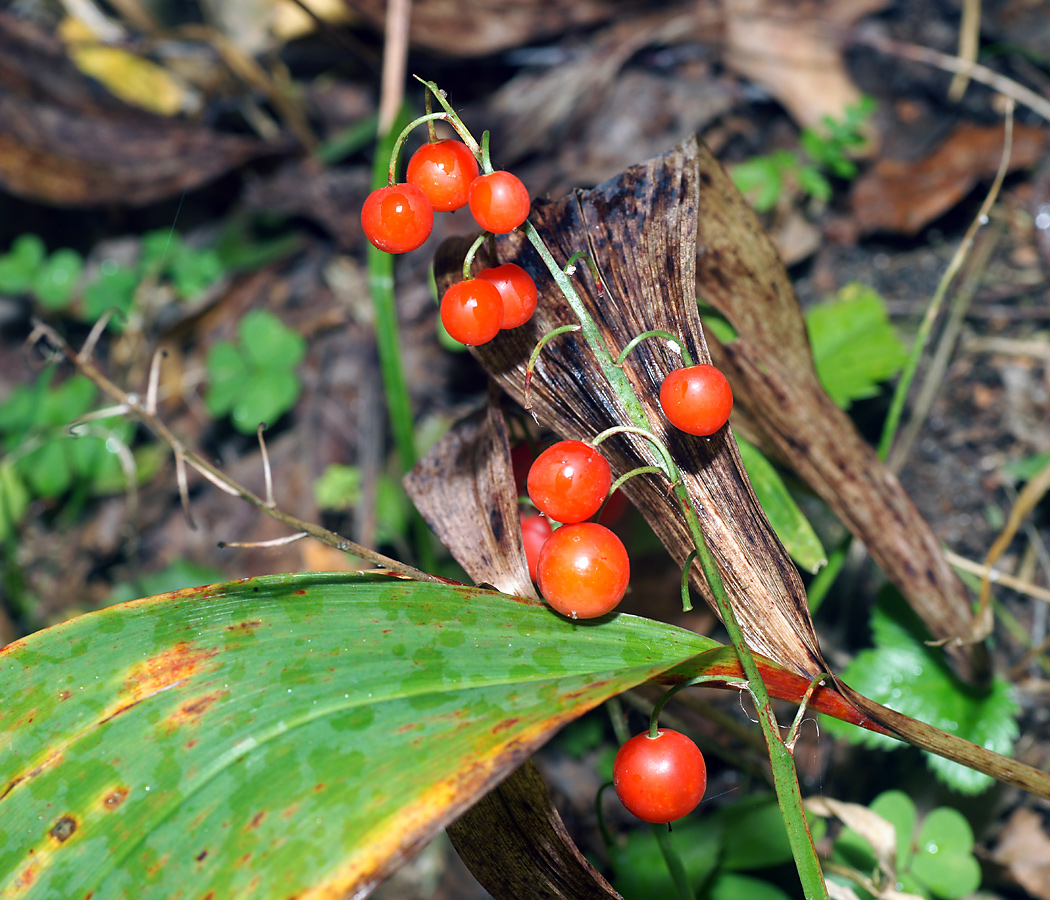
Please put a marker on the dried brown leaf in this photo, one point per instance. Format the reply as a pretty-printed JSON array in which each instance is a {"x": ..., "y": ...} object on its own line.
[
  {"x": 63, "y": 141},
  {"x": 516, "y": 845},
  {"x": 771, "y": 369},
  {"x": 640, "y": 229},
  {"x": 464, "y": 490}
]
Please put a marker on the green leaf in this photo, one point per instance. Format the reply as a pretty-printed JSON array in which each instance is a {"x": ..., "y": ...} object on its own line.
[
  {"x": 14, "y": 500},
  {"x": 18, "y": 267},
  {"x": 265, "y": 397},
  {"x": 903, "y": 673},
  {"x": 180, "y": 574},
  {"x": 755, "y": 837},
  {"x": 730, "y": 886},
  {"x": 897, "y": 808},
  {"x": 1027, "y": 468},
  {"x": 46, "y": 470},
  {"x": 944, "y": 862},
  {"x": 639, "y": 869},
  {"x": 194, "y": 271},
  {"x": 227, "y": 373},
  {"x": 69, "y": 400},
  {"x": 813, "y": 183},
  {"x": 113, "y": 289},
  {"x": 280, "y": 734},
  {"x": 760, "y": 180},
  {"x": 268, "y": 343},
  {"x": 790, "y": 525},
  {"x": 57, "y": 277},
  {"x": 854, "y": 345},
  {"x": 339, "y": 487}
]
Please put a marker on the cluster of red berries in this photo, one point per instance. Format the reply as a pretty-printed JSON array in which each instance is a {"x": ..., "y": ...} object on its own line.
[
  {"x": 581, "y": 568},
  {"x": 661, "y": 778},
  {"x": 444, "y": 176}
]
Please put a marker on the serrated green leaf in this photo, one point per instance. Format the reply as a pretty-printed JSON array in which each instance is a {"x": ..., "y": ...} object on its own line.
[
  {"x": 265, "y": 397},
  {"x": 286, "y": 733},
  {"x": 339, "y": 487},
  {"x": 227, "y": 372},
  {"x": 790, "y": 525},
  {"x": 639, "y": 869},
  {"x": 944, "y": 861},
  {"x": 268, "y": 343},
  {"x": 854, "y": 345},
  {"x": 57, "y": 277},
  {"x": 903, "y": 673}
]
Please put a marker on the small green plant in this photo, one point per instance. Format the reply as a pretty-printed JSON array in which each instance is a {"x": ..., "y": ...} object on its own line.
[
  {"x": 339, "y": 489},
  {"x": 28, "y": 269},
  {"x": 933, "y": 858},
  {"x": 41, "y": 452},
  {"x": 253, "y": 380},
  {"x": 825, "y": 154},
  {"x": 902, "y": 672}
]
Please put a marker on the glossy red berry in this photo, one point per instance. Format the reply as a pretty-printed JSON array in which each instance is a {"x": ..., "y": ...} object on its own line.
[
  {"x": 397, "y": 218},
  {"x": 569, "y": 481},
  {"x": 660, "y": 779},
  {"x": 499, "y": 202},
  {"x": 471, "y": 311},
  {"x": 583, "y": 570},
  {"x": 443, "y": 170},
  {"x": 518, "y": 291},
  {"x": 696, "y": 400},
  {"x": 534, "y": 532}
]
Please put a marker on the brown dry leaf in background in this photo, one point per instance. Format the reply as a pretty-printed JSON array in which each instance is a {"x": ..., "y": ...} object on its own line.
[
  {"x": 903, "y": 197},
  {"x": 640, "y": 230},
  {"x": 1024, "y": 851},
  {"x": 65, "y": 142},
  {"x": 795, "y": 51}
]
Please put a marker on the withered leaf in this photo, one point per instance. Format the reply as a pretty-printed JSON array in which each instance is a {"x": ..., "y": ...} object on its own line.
[
  {"x": 640, "y": 230},
  {"x": 464, "y": 490},
  {"x": 65, "y": 141},
  {"x": 771, "y": 369},
  {"x": 902, "y": 196},
  {"x": 515, "y": 844}
]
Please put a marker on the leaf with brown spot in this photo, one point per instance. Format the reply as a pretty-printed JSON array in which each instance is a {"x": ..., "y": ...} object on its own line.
[{"x": 65, "y": 142}]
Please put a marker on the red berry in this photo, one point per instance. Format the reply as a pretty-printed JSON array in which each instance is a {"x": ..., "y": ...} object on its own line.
[
  {"x": 660, "y": 779},
  {"x": 471, "y": 311},
  {"x": 583, "y": 570},
  {"x": 534, "y": 532},
  {"x": 569, "y": 481},
  {"x": 518, "y": 291},
  {"x": 397, "y": 218},
  {"x": 443, "y": 170},
  {"x": 521, "y": 460},
  {"x": 696, "y": 400},
  {"x": 499, "y": 202}
]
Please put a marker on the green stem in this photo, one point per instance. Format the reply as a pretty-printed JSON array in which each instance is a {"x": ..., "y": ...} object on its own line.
[
  {"x": 662, "y": 833},
  {"x": 635, "y": 341},
  {"x": 453, "y": 117},
  {"x": 468, "y": 260},
  {"x": 535, "y": 355},
  {"x": 603, "y": 829},
  {"x": 641, "y": 470},
  {"x": 687, "y": 601},
  {"x": 387, "y": 329},
  {"x": 570, "y": 269},
  {"x": 670, "y": 470},
  {"x": 654, "y": 716},
  {"x": 391, "y": 174}
]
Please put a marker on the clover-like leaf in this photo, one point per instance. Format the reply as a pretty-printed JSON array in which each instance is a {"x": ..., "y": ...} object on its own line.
[
  {"x": 18, "y": 267},
  {"x": 268, "y": 343},
  {"x": 944, "y": 860},
  {"x": 57, "y": 277},
  {"x": 264, "y": 398},
  {"x": 227, "y": 372}
]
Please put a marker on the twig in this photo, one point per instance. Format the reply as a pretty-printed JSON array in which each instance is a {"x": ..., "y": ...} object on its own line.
[
  {"x": 969, "y": 39},
  {"x": 997, "y": 576},
  {"x": 183, "y": 456},
  {"x": 1005, "y": 86},
  {"x": 395, "y": 57}
]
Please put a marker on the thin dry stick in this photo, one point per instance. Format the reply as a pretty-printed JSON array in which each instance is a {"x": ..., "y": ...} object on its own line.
[
  {"x": 969, "y": 38},
  {"x": 1030, "y": 495},
  {"x": 395, "y": 61},
  {"x": 996, "y": 576},
  {"x": 1005, "y": 86},
  {"x": 183, "y": 456},
  {"x": 934, "y": 376}
]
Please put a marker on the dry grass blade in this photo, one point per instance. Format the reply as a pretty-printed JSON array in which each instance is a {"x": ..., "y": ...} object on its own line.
[
  {"x": 640, "y": 230},
  {"x": 771, "y": 368}
]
